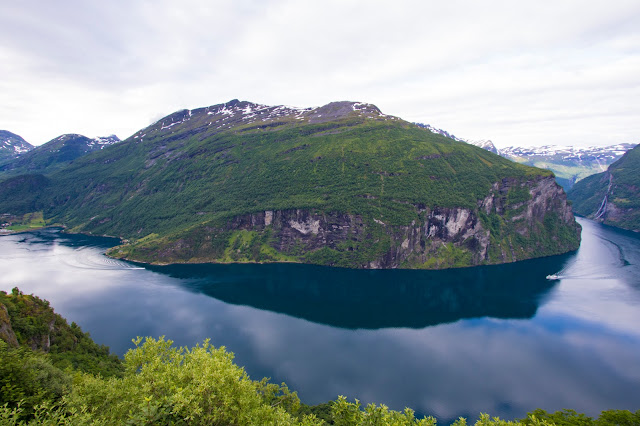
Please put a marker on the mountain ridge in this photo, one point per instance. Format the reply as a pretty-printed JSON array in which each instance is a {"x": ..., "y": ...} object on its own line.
[
  {"x": 55, "y": 153},
  {"x": 342, "y": 184}
]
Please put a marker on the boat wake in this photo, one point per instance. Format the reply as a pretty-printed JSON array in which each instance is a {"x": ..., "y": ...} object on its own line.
[{"x": 91, "y": 258}]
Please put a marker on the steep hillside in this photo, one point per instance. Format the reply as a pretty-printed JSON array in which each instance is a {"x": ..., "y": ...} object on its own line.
[
  {"x": 55, "y": 154},
  {"x": 341, "y": 184},
  {"x": 12, "y": 145},
  {"x": 612, "y": 197}
]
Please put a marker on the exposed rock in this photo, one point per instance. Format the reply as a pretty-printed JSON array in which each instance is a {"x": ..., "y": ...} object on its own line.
[
  {"x": 6, "y": 331},
  {"x": 441, "y": 237}
]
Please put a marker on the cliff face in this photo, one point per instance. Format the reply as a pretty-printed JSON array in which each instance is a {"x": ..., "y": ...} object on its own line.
[
  {"x": 437, "y": 238},
  {"x": 6, "y": 331}
]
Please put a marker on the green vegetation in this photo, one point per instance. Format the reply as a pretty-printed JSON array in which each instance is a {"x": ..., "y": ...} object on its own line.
[
  {"x": 620, "y": 184},
  {"x": 27, "y": 222},
  {"x": 35, "y": 325},
  {"x": 163, "y": 384},
  {"x": 160, "y": 384},
  {"x": 173, "y": 193},
  {"x": 50, "y": 156}
]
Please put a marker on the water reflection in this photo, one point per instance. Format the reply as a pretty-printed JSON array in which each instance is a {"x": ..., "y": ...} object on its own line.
[{"x": 353, "y": 299}]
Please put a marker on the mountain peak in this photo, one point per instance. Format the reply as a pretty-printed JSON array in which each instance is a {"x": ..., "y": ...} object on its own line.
[
  {"x": 244, "y": 115},
  {"x": 342, "y": 109},
  {"x": 485, "y": 144},
  {"x": 12, "y": 145}
]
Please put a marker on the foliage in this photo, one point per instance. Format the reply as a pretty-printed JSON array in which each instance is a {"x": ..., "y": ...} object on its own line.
[
  {"x": 37, "y": 326},
  {"x": 571, "y": 417},
  {"x": 164, "y": 384},
  {"x": 28, "y": 378},
  {"x": 350, "y": 413}
]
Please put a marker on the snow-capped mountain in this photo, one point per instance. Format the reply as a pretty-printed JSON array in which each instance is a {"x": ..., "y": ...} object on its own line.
[
  {"x": 55, "y": 153},
  {"x": 483, "y": 143},
  {"x": 12, "y": 145},
  {"x": 102, "y": 141},
  {"x": 569, "y": 163},
  {"x": 603, "y": 155},
  {"x": 440, "y": 132},
  {"x": 239, "y": 114}
]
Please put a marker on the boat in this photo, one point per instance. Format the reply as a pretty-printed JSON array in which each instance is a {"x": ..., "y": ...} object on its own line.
[{"x": 553, "y": 277}]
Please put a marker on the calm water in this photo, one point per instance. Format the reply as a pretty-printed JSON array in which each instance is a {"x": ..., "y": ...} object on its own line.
[{"x": 501, "y": 339}]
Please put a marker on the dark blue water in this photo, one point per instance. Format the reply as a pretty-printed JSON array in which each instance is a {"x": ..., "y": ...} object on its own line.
[{"x": 500, "y": 339}]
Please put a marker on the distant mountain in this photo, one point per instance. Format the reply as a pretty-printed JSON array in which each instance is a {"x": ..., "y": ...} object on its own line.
[
  {"x": 612, "y": 197},
  {"x": 484, "y": 143},
  {"x": 342, "y": 184},
  {"x": 55, "y": 154},
  {"x": 12, "y": 146},
  {"x": 569, "y": 164}
]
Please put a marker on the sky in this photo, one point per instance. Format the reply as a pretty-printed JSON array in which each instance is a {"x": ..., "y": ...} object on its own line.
[{"x": 559, "y": 72}]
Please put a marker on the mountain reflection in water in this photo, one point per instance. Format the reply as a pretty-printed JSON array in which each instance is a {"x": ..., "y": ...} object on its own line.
[{"x": 373, "y": 299}]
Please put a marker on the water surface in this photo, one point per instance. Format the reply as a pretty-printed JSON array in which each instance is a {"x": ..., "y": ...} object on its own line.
[{"x": 499, "y": 339}]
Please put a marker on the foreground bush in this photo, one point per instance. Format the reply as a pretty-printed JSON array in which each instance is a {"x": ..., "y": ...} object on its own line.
[{"x": 165, "y": 385}]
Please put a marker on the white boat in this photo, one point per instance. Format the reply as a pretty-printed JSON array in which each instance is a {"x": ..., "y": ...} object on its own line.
[{"x": 553, "y": 277}]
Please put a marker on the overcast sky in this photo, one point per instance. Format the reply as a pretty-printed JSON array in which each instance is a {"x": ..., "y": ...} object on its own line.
[{"x": 518, "y": 73}]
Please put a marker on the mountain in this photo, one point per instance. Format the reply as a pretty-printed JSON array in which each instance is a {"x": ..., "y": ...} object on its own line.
[
  {"x": 484, "y": 143},
  {"x": 612, "y": 197},
  {"x": 55, "y": 154},
  {"x": 342, "y": 184},
  {"x": 441, "y": 132},
  {"x": 568, "y": 163},
  {"x": 12, "y": 145}
]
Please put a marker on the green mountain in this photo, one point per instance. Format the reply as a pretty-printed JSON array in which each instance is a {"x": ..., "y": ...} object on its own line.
[
  {"x": 12, "y": 145},
  {"x": 342, "y": 184},
  {"x": 54, "y": 154},
  {"x": 612, "y": 197}
]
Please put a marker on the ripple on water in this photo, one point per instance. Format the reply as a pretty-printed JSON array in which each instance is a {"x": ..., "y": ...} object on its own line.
[{"x": 93, "y": 258}]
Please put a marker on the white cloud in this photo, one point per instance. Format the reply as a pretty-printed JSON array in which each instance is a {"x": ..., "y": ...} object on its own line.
[{"x": 542, "y": 72}]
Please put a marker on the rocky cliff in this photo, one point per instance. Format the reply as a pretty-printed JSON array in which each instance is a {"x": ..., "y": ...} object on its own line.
[{"x": 498, "y": 230}]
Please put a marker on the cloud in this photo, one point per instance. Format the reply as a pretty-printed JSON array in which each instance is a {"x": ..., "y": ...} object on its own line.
[{"x": 480, "y": 70}]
